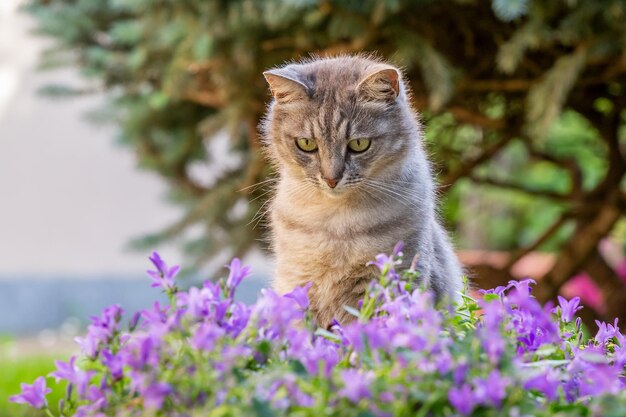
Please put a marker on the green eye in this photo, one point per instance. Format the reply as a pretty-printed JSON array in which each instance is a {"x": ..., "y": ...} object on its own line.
[
  {"x": 307, "y": 145},
  {"x": 359, "y": 145}
]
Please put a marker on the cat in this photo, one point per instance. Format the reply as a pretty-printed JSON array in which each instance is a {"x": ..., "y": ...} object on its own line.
[{"x": 353, "y": 180}]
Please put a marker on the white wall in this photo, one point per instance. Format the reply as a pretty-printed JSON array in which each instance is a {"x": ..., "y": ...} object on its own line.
[{"x": 70, "y": 200}]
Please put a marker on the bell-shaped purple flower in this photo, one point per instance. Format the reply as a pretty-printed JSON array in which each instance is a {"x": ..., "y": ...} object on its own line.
[
  {"x": 299, "y": 295},
  {"x": 206, "y": 335},
  {"x": 237, "y": 273},
  {"x": 34, "y": 394},
  {"x": 491, "y": 390},
  {"x": 164, "y": 275},
  {"x": 546, "y": 382},
  {"x": 114, "y": 363},
  {"x": 462, "y": 399},
  {"x": 356, "y": 384},
  {"x": 568, "y": 308},
  {"x": 606, "y": 331},
  {"x": 155, "y": 393}
]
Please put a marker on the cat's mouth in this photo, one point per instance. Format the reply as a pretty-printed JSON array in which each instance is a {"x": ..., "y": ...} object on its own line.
[
  {"x": 339, "y": 190},
  {"x": 335, "y": 192}
]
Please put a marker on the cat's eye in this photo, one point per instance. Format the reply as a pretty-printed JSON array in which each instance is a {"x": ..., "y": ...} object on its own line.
[
  {"x": 306, "y": 145},
  {"x": 359, "y": 145}
]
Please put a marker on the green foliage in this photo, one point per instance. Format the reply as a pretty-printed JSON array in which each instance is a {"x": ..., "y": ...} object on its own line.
[{"x": 491, "y": 79}]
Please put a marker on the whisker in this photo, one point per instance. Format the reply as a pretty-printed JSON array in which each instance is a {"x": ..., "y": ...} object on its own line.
[
  {"x": 261, "y": 195},
  {"x": 275, "y": 179},
  {"x": 406, "y": 192},
  {"x": 394, "y": 197},
  {"x": 399, "y": 195}
]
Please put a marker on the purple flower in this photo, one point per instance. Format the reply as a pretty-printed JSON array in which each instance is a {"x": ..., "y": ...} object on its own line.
[
  {"x": 97, "y": 399},
  {"x": 114, "y": 363},
  {"x": 72, "y": 374},
  {"x": 154, "y": 394},
  {"x": 568, "y": 308},
  {"x": 545, "y": 382},
  {"x": 492, "y": 390},
  {"x": 490, "y": 332},
  {"x": 206, "y": 335},
  {"x": 197, "y": 301},
  {"x": 397, "y": 250},
  {"x": 34, "y": 394},
  {"x": 238, "y": 320},
  {"x": 299, "y": 295},
  {"x": 462, "y": 399},
  {"x": 499, "y": 291},
  {"x": 89, "y": 345},
  {"x": 141, "y": 352},
  {"x": 356, "y": 384},
  {"x": 591, "y": 374},
  {"x": 606, "y": 331},
  {"x": 156, "y": 316},
  {"x": 460, "y": 372},
  {"x": 103, "y": 328},
  {"x": 321, "y": 354},
  {"x": 369, "y": 334},
  {"x": 164, "y": 275},
  {"x": 236, "y": 275},
  {"x": 386, "y": 263},
  {"x": 522, "y": 287},
  {"x": 532, "y": 323},
  {"x": 65, "y": 370},
  {"x": 134, "y": 321},
  {"x": 275, "y": 393},
  {"x": 276, "y": 313}
]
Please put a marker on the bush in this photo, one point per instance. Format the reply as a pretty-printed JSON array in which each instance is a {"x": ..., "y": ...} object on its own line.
[{"x": 207, "y": 355}]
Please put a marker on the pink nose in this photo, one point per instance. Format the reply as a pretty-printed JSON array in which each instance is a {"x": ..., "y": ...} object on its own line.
[{"x": 332, "y": 183}]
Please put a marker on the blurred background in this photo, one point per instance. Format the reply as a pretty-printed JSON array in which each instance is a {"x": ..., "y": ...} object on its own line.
[{"x": 130, "y": 126}]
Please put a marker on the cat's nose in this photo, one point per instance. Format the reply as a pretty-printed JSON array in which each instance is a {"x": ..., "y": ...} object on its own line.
[{"x": 332, "y": 182}]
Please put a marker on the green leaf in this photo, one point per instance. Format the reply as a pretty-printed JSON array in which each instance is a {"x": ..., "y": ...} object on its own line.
[
  {"x": 126, "y": 32},
  {"x": 297, "y": 367},
  {"x": 203, "y": 47},
  {"x": 546, "y": 98},
  {"x": 328, "y": 335},
  {"x": 352, "y": 311},
  {"x": 491, "y": 297},
  {"x": 262, "y": 408},
  {"x": 512, "y": 52}
]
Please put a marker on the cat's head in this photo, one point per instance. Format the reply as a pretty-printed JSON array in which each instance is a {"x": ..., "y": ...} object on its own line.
[{"x": 338, "y": 122}]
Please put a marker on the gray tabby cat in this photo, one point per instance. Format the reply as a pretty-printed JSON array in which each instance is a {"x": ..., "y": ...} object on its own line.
[{"x": 353, "y": 181}]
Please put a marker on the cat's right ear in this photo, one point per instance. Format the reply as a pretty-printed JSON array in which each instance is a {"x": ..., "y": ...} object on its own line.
[
  {"x": 381, "y": 85},
  {"x": 285, "y": 87}
]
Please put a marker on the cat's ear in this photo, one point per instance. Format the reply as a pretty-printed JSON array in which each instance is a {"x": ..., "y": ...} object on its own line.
[
  {"x": 285, "y": 86},
  {"x": 380, "y": 85}
]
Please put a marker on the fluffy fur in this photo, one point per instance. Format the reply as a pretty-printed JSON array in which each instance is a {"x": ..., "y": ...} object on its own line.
[{"x": 324, "y": 234}]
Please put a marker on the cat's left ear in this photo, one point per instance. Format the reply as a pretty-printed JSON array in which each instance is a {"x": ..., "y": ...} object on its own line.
[
  {"x": 381, "y": 85},
  {"x": 285, "y": 85}
]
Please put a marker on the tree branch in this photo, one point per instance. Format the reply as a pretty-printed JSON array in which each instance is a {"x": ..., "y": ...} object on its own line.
[
  {"x": 578, "y": 249},
  {"x": 466, "y": 115},
  {"x": 520, "y": 188},
  {"x": 466, "y": 168},
  {"x": 547, "y": 234}
]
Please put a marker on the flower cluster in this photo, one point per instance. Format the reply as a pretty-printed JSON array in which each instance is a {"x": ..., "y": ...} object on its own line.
[{"x": 206, "y": 354}]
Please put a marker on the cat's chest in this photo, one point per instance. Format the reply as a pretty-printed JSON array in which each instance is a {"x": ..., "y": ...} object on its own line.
[{"x": 332, "y": 244}]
